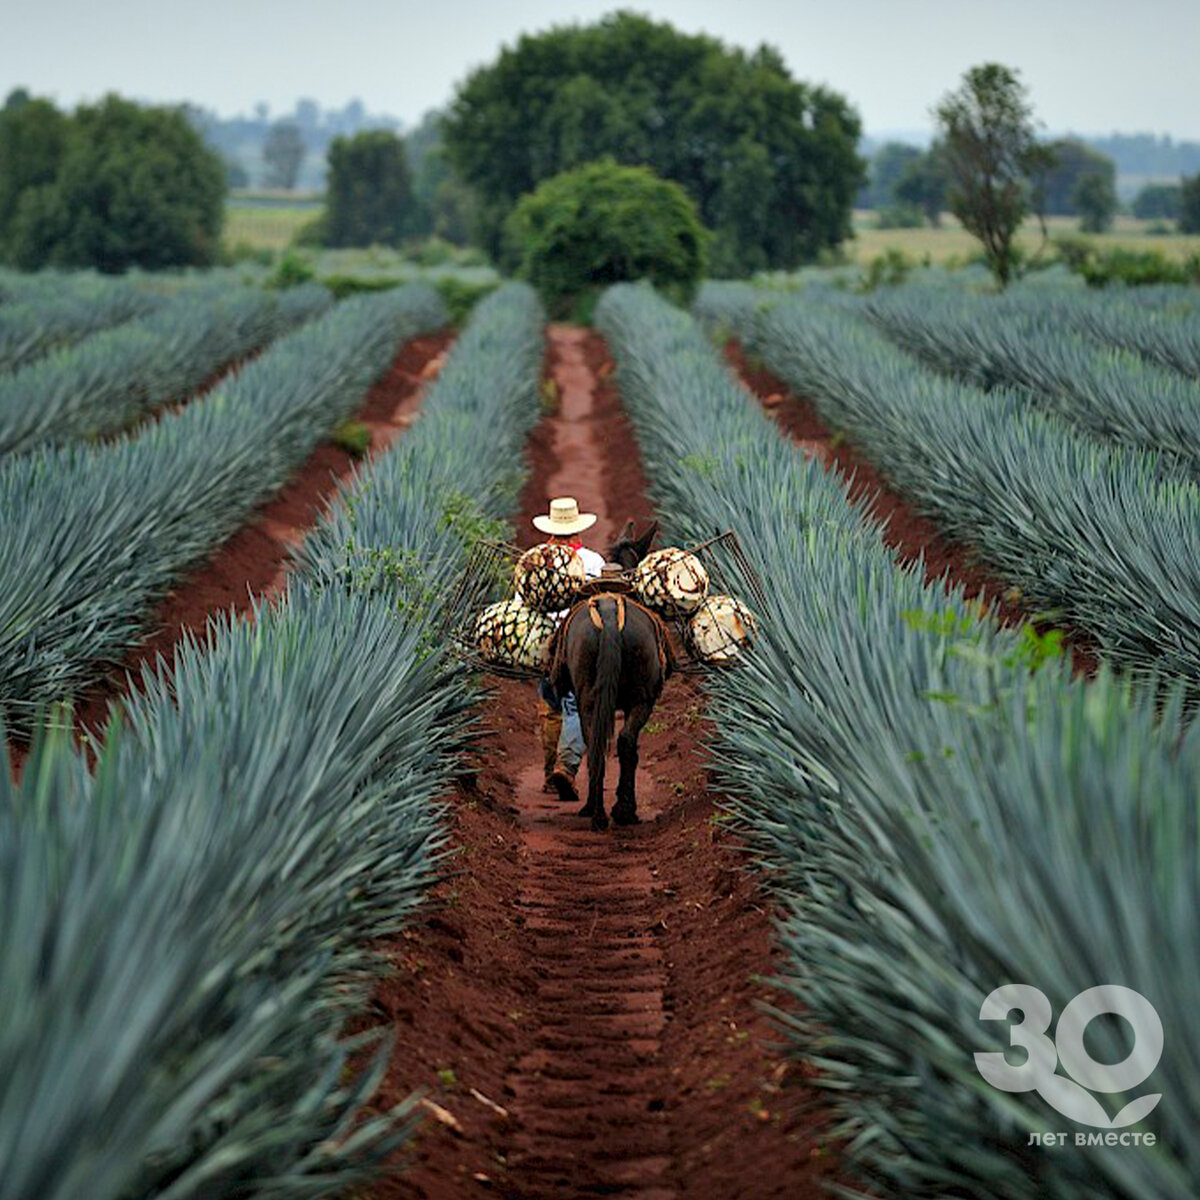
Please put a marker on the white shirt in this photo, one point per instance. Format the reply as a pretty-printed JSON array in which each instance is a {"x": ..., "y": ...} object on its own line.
[{"x": 593, "y": 563}]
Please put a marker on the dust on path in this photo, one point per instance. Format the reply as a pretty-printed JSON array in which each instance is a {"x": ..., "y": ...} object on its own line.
[{"x": 584, "y": 1010}]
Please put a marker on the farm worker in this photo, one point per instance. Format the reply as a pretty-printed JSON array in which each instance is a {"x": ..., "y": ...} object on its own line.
[{"x": 562, "y": 733}]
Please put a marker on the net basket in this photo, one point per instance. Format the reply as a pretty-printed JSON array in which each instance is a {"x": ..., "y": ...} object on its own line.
[
  {"x": 548, "y": 577},
  {"x": 673, "y": 582}
]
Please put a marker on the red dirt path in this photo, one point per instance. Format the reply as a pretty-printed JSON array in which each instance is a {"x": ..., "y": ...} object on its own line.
[
  {"x": 582, "y": 1008},
  {"x": 909, "y": 534},
  {"x": 253, "y": 564}
]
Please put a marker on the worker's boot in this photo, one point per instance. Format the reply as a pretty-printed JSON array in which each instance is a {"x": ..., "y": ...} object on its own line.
[
  {"x": 562, "y": 782},
  {"x": 551, "y": 729}
]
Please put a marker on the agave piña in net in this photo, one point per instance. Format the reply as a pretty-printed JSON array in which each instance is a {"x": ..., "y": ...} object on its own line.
[
  {"x": 719, "y": 629},
  {"x": 512, "y": 635},
  {"x": 671, "y": 581},
  {"x": 548, "y": 577}
]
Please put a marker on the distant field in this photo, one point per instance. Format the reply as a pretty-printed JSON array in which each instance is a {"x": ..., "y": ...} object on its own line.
[
  {"x": 267, "y": 220},
  {"x": 953, "y": 242}
]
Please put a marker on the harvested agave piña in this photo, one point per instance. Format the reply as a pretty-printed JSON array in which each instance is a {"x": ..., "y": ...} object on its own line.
[
  {"x": 671, "y": 581},
  {"x": 719, "y": 629},
  {"x": 510, "y": 634},
  {"x": 548, "y": 577}
]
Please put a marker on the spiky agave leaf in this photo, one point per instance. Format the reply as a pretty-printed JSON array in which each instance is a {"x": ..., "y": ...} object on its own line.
[
  {"x": 92, "y": 537},
  {"x": 52, "y": 310},
  {"x": 990, "y": 342},
  {"x": 258, "y": 819},
  {"x": 938, "y": 817},
  {"x": 1094, "y": 532}
]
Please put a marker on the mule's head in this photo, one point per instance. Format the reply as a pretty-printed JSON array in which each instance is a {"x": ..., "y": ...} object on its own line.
[{"x": 629, "y": 550}]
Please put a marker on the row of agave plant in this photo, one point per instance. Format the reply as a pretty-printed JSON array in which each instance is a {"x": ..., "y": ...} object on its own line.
[
  {"x": 186, "y": 931},
  {"x": 52, "y": 309},
  {"x": 1161, "y": 325},
  {"x": 110, "y": 381},
  {"x": 1111, "y": 393},
  {"x": 941, "y": 808},
  {"x": 1104, "y": 537},
  {"x": 93, "y": 535}
]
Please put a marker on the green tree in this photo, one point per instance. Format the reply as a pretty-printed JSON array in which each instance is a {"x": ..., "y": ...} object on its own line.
[
  {"x": 1189, "y": 205},
  {"x": 368, "y": 193},
  {"x": 1157, "y": 201},
  {"x": 1096, "y": 202},
  {"x": 924, "y": 185},
  {"x": 1069, "y": 163},
  {"x": 771, "y": 163},
  {"x": 283, "y": 154},
  {"x": 990, "y": 152},
  {"x": 443, "y": 206},
  {"x": 135, "y": 186},
  {"x": 604, "y": 223},
  {"x": 33, "y": 136}
]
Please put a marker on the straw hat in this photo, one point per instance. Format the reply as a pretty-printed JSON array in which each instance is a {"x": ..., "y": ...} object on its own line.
[{"x": 565, "y": 518}]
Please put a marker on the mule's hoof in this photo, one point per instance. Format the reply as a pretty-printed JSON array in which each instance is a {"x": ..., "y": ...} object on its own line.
[
  {"x": 599, "y": 823},
  {"x": 625, "y": 816},
  {"x": 564, "y": 787}
]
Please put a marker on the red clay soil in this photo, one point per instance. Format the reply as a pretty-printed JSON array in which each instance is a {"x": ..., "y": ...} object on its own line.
[
  {"x": 583, "y": 1010},
  {"x": 911, "y": 535},
  {"x": 252, "y": 566}
]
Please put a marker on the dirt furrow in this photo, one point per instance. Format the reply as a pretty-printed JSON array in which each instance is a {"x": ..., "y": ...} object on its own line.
[
  {"x": 600, "y": 1142},
  {"x": 911, "y": 535},
  {"x": 252, "y": 565},
  {"x": 584, "y": 1009}
]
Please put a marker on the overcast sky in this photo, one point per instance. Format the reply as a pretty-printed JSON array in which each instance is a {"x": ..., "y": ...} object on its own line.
[{"x": 1092, "y": 66}]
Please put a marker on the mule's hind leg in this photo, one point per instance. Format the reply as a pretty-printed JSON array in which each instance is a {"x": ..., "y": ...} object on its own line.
[
  {"x": 594, "y": 807},
  {"x": 625, "y": 809}
]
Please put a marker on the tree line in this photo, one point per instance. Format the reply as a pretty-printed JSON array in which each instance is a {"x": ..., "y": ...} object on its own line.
[
  {"x": 908, "y": 187},
  {"x": 767, "y": 166}
]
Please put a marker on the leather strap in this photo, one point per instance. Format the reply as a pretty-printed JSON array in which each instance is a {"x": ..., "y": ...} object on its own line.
[{"x": 593, "y": 605}]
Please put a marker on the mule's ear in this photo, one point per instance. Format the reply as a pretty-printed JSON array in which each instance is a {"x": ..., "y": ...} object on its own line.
[
  {"x": 647, "y": 539},
  {"x": 627, "y": 532}
]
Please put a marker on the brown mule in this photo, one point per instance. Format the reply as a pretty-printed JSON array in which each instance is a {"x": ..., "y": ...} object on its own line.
[{"x": 615, "y": 656}]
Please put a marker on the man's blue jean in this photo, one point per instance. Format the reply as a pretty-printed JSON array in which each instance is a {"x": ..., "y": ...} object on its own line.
[{"x": 570, "y": 740}]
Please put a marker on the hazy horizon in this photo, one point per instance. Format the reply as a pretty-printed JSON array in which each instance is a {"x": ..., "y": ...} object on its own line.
[{"x": 1092, "y": 67}]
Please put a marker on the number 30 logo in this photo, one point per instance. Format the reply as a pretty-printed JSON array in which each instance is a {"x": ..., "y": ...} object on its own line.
[{"x": 1073, "y": 1097}]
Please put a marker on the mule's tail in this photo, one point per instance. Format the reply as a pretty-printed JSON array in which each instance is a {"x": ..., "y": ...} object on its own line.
[{"x": 606, "y": 684}]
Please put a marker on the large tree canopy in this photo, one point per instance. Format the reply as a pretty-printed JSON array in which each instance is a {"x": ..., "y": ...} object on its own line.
[
  {"x": 116, "y": 185},
  {"x": 33, "y": 135},
  {"x": 770, "y": 162},
  {"x": 369, "y": 193},
  {"x": 1070, "y": 162}
]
